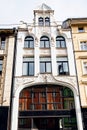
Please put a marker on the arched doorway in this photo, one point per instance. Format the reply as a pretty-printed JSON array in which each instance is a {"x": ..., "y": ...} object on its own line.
[{"x": 46, "y": 107}]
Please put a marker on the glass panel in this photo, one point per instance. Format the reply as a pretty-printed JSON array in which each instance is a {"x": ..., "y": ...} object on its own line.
[
  {"x": 26, "y": 44},
  {"x": 31, "y": 44},
  {"x": 63, "y": 44},
  {"x": 0, "y": 67},
  {"x": 3, "y": 43},
  {"x": 47, "y": 44},
  {"x": 58, "y": 44},
  {"x": 65, "y": 67},
  {"x": 31, "y": 68},
  {"x": 48, "y": 67},
  {"x": 42, "y": 67},
  {"x": 25, "y": 68},
  {"x": 83, "y": 45},
  {"x": 42, "y": 44},
  {"x": 60, "y": 67}
]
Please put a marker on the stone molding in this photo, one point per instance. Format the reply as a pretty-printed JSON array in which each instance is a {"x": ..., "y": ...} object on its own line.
[{"x": 24, "y": 82}]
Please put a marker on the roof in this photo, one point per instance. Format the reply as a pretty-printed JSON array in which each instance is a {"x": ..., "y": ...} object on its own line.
[{"x": 43, "y": 7}]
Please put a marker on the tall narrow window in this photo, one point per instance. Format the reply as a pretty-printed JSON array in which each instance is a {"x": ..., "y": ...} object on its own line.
[
  {"x": 1, "y": 62},
  {"x": 29, "y": 42},
  {"x": 45, "y": 65},
  {"x": 60, "y": 42},
  {"x": 44, "y": 42},
  {"x": 40, "y": 21},
  {"x": 3, "y": 43},
  {"x": 28, "y": 66},
  {"x": 47, "y": 21},
  {"x": 62, "y": 65}
]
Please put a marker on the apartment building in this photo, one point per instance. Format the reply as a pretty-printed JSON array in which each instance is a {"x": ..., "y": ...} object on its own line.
[
  {"x": 7, "y": 45},
  {"x": 79, "y": 36},
  {"x": 45, "y": 92}
]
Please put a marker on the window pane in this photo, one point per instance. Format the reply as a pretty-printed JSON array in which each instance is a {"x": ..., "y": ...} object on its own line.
[
  {"x": 31, "y": 44},
  {"x": 42, "y": 67},
  {"x": 58, "y": 44},
  {"x": 47, "y": 44},
  {"x": 0, "y": 67},
  {"x": 60, "y": 67},
  {"x": 25, "y": 68},
  {"x": 42, "y": 44},
  {"x": 63, "y": 44},
  {"x": 31, "y": 68},
  {"x": 83, "y": 45},
  {"x": 48, "y": 67},
  {"x": 3, "y": 43},
  {"x": 26, "y": 44},
  {"x": 65, "y": 67}
]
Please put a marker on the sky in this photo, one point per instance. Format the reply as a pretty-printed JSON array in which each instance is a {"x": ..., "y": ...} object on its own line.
[{"x": 14, "y": 11}]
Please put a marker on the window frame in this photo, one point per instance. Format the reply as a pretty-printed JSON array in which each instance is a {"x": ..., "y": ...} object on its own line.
[
  {"x": 44, "y": 62},
  {"x": 47, "y": 21},
  {"x": 83, "y": 45},
  {"x": 29, "y": 43},
  {"x": 81, "y": 29},
  {"x": 28, "y": 62},
  {"x": 60, "y": 42},
  {"x": 62, "y": 62},
  {"x": 44, "y": 42},
  {"x": 40, "y": 21}
]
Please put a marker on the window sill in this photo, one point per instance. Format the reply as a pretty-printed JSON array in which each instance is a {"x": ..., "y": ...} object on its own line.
[
  {"x": 27, "y": 75},
  {"x": 28, "y": 48}
]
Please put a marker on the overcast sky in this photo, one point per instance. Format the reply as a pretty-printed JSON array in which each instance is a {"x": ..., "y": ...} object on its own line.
[{"x": 14, "y": 11}]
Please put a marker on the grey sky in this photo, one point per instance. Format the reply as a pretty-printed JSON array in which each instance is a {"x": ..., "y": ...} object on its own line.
[{"x": 14, "y": 11}]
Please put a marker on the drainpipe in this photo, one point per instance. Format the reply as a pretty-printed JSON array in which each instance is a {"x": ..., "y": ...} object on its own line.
[{"x": 12, "y": 82}]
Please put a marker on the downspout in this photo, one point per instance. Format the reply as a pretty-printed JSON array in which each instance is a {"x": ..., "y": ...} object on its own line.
[{"x": 12, "y": 82}]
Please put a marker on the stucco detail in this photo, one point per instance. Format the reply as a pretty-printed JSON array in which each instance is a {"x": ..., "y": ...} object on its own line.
[{"x": 45, "y": 79}]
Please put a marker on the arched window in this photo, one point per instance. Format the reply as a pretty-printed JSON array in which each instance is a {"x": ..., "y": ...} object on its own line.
[
  {"x": 44, "y": 42},
  {"x": 40, "y": 21},
  {"x": 47, "y": 21},
  {"x": 29, "y": 42},
  {"x": 60, "y": 42}
]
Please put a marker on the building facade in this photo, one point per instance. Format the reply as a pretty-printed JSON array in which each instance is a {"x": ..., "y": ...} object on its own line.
[
  {"x": 7, "y": 42},
  {"x": 79, "y": 35},
  {"x": 45, "y": 92}
]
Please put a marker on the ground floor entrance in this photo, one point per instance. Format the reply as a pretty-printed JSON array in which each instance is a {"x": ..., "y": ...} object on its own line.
[{"x": 47, "y": 107}]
